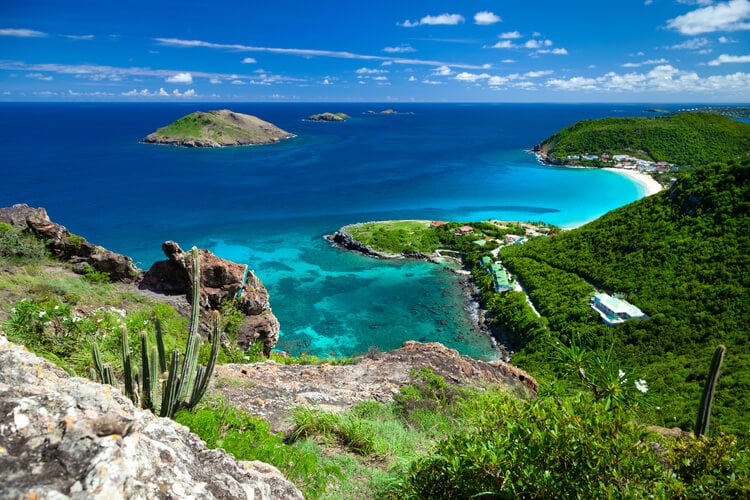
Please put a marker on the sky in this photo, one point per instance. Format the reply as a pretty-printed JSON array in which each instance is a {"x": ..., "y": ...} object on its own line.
[{"x": 670, "y": 51}]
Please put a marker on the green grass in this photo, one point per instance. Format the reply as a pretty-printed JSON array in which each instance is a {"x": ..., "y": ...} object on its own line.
[{"x": 396, "y": 236}]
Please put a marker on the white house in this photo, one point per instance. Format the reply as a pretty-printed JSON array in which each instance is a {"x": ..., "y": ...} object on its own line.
[{"x": 615, "y": 311}]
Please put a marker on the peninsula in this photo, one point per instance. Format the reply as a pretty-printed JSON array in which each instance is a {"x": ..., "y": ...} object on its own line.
[{"x": 215, "y": 129}]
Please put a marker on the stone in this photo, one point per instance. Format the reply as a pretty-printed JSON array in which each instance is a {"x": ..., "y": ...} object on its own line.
[
  {"x": 375, "y": 376},
  {"x": 69, "y": 247},
  {"x": 221, "y": 281},
  {"x": 66, "y": 437}
]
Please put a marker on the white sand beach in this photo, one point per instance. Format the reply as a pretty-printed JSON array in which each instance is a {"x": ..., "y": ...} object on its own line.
[{"x": 649, "y": 184}]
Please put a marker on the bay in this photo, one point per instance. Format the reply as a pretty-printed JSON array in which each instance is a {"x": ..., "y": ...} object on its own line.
[{"x": 269, "y": 206}]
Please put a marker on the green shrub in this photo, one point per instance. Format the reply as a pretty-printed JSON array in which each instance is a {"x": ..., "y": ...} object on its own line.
[
  {"x": 19, "y": 245},
  {"x": 246, "y": 437}
]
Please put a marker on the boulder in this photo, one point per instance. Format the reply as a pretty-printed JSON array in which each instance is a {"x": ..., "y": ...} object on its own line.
[
  {"x": 66, "y": 437},
  {"x": 221, "y": 281},
  {"x": 70, "y": 247}
]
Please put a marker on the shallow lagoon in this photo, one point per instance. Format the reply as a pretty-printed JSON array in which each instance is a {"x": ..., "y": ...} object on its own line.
[{"x": 270, "y": 206}]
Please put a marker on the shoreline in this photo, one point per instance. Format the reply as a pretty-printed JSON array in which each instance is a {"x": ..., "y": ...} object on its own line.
[{"x": 648, "y": 184}]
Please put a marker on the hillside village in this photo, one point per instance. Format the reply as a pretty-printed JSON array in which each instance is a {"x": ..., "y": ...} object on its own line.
[{"x": 624, "y": 161}]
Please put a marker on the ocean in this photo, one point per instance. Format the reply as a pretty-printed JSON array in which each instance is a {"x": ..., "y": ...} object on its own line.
[{"x": 270, "y": 206}]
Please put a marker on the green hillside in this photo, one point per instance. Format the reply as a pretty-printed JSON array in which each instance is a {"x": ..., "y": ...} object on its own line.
[
  {"x": 683, "y": 257},
  {"x": 687, "y": 139}
]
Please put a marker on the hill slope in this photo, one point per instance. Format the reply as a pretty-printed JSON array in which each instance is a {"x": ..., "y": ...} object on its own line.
[
  {"x": 687, "y": 139},
  {"x": 217, "y": 128},
  {"x": 683, "y": 257}
]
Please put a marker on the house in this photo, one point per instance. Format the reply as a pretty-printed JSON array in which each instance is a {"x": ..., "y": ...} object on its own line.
[
  {"x": 614, "y": 311},
  {"x": 500, "y": 281},
  {"x": 465, "y": 229},
  {"x": 437, "y": 223}
]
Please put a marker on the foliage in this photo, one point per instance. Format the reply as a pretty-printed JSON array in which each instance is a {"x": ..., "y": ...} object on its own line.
[
  {"x": 571, "y": 448},
  {"x": 682, "y": 257},
  {"x": 94, "y": 276},
  {"x": 406, "y": 236},
  {"x": 222, "y": 425},
  {"x": 183, "y": 390},
  {"x": 687, "y": 139},
  {"x": 20, "y": 245}
]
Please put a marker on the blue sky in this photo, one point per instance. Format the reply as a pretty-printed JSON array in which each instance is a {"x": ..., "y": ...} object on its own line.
[{"x": 376, "y": 51}]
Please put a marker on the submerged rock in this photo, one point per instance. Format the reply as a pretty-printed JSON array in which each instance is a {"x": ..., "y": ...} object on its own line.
[{"x": 66, "y": 437}]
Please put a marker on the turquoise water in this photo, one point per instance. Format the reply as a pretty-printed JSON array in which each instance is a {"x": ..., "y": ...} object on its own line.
[{"x": 271, "y": 206}]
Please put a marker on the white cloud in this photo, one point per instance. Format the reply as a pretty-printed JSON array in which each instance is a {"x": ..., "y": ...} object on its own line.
[
  {"x": 510, "y": 35},
  {"x": 39, "y": 76},
  {"x": 442, "y": 71},
  {"x": 558, "y": 52},
  {"x": 724, "y": 39},
  {"x": 249, "y": 60},
  {"x": 664, "y": 79},
  {"x": 727, "y": 59},
  {"x": 465, "y": 76},
  {"x": 401, "y": 49},
  {"x": 431, "y": 82},
  {"x": 692, "y": 44},
  {"x": 442, "y": 19},
  {"x": 730, "y": 16},
  {"x": 159, "y": 93},
  {"x": 508, "y": 61},
  {"x": 504, "y": 44},
  {"x": 369, "y": 71},
  {"x": 537, "y": 74},
  {"x": 537, "y": 44},
  {"x": 185, "y": 78},
  {"x": 380, "y": 78},
  {"x": 496, "y": 81},
  {"x": 648, "y": 62},
  {"x": 178, "y": 42},
  {"x": 22, "y": 33},
  {"x": 486, "y": 18},
  {"x": 412, "y": 78},
  {"x": 79, "y": 37}
]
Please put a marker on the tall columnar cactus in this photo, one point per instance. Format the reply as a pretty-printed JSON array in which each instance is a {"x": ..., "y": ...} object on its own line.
[
  {"x": 185, "y": 384},
  {"x": 704, "y": 412}
]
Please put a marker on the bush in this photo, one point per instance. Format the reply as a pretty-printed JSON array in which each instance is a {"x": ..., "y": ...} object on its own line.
[
  {"x": 21, "y": 246},
  {"x": 572, "y": 448}
]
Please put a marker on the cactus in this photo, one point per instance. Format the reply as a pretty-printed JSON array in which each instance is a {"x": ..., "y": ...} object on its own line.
[
  {"x": 96, "y": 355},
  {"x": 126, "y": 365},
  {"x": 704, "y": 412},
  {"x": 187, "y": 383},
  {"x": 146, "y": 369}
]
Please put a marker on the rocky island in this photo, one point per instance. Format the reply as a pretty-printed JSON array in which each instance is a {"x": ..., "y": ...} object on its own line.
[
  {"x": 214, "y": 129},
  {"x": 328, "y": 117}
]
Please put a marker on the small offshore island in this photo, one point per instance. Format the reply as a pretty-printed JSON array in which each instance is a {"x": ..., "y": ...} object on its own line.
[
  {"x": 327, "y": 117},
  {"x": 215, "y": 129}
]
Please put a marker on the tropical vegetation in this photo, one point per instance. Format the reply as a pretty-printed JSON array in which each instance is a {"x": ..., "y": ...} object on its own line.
[{"x": 686, "y": 139}]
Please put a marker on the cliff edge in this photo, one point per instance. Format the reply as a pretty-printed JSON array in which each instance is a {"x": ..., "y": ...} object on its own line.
[{"x": 68, "y": 437}]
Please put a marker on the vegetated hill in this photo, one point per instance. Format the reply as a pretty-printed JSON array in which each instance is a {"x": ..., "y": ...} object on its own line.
[
  {"x": 683, "y": 257},
  {"x": 687, "y": 139},
  {"x": 217, "y": 128}
]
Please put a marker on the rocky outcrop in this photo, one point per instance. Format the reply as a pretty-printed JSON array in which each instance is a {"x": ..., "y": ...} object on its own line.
[
  {"x": 65, "y": 437},
  {"x": 269, "y": 390},
  {"x": 345, "y": 240},
  {"x": 70, "y": 247},
  {"x": 328, "y": 117},
  {"x": 221, "y": 281},
  {"x": 217, "y": 129}
]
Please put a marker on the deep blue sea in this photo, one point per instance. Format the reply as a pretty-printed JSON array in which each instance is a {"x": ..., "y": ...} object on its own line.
[{"x": 269, "y": 206}]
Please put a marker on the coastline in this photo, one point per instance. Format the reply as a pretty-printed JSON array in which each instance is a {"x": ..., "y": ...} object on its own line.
[{"x": 648, "y": 184}]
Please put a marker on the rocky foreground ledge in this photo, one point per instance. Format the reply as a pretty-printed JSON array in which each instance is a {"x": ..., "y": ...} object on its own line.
[
  {"x": 269, "y": 390},
  {"x": 65, "y": 437}
]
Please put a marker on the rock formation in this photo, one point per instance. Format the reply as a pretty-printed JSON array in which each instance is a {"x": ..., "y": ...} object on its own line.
[
  {"x": 221, "y": 281},
  {"x": 328, "y": 117},
  {"x": 272, "y": 389},
  {"x": 216, "y": 129},
  {"x": 70, "y": 247},
  {"x": 65, "y": 437}
]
